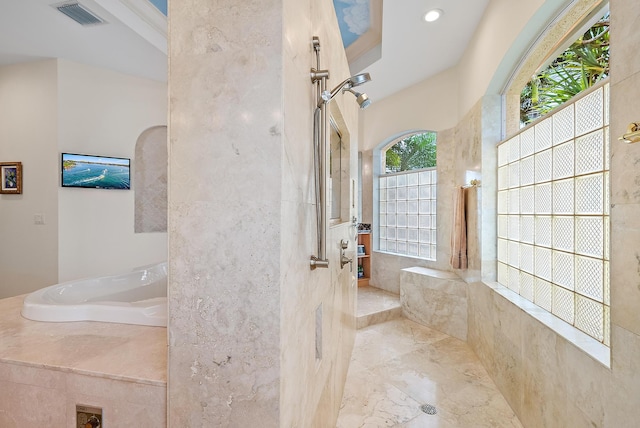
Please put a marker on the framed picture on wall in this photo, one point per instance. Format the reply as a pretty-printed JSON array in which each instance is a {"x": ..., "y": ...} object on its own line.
[{"x": 11, "y": 177}]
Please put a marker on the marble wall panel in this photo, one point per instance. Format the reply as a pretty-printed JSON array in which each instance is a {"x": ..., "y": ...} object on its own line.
[
  {"x": 506, "y": 370},
  {"x": 546, "y": 379},
  {"x": 623, "y": 403},
  {"x": 241, "y": 114},
  {"x": 225, "y": 80},
  {"x": 624, "y": 59},
  {"x": 625, "y": 179},
  {"x": 625, "y": 176},
  {"x": 311, "y": 387},
  {"x": 506, "y": 318},
  {"x": 540, "y": 364},
  {"x": 589, "y": 393},
  {"x": 487, "y": 204},
  {"x": 42, "y": 377},
  {"x": 436, "y": 299},
  {"x": 480, "y": 329},
  {"x": 625, "y": 266},
  {"x": 367, "y": 187},
  {"x": 386, "y": 269},
  {"x": 622, "y": 407},
  {"x": 25, "y": 405},
  {"x": 554, "y": 370},
  {"x": 33, "y": 396}
]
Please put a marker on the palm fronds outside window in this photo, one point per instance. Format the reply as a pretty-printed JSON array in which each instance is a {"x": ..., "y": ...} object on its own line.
[{"x": 582, "y": 65}]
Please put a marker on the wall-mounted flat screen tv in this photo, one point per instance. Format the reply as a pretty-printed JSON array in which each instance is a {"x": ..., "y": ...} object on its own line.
[{"x": 95, "y": 172}]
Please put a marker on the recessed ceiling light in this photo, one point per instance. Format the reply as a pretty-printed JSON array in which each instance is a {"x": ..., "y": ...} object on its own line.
[{"x": 433, "y": 15}]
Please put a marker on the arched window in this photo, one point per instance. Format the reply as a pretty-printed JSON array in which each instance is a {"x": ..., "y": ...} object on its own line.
[
  {"x": 553, "y": 175},
  {"x": 582, "y": 65},
  {"x": 407, "y": 196}
]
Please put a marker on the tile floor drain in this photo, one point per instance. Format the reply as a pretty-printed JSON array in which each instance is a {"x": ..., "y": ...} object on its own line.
[{"x": 428, "y": 409}]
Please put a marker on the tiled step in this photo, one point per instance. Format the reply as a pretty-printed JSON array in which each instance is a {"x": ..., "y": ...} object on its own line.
[{"x": 376, "y": 306}]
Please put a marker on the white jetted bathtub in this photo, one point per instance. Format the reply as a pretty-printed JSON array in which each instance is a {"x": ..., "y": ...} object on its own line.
[{"x": 136, "y": 297}]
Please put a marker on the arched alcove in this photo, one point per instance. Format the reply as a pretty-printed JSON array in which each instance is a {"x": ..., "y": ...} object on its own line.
[{"x": 150, "y": 181}]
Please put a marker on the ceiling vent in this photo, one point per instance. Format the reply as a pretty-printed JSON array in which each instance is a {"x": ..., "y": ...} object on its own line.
[{"x": 79, "y": 13}]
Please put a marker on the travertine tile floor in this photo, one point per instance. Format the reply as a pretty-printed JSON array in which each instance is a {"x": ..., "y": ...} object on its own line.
[
  {"x": 399, "y": 365},
  {"x": 376, "y": 306}
]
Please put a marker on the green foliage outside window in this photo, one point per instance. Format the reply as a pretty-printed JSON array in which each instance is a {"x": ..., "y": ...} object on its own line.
[
  {"x": 414, "y": 152},
  {"x": 582, "y": 65}
]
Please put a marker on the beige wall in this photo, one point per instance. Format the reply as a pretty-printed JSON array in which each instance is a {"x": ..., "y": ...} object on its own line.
[
  {"x": 502, "y": 23},
  {"x": 428, "y": 105},
  {"x": 242, "y": 298},
  {"x": 28, "y": 134},
  {"x": 101, "y": 112},
  {"x": 55, "y": 106}
]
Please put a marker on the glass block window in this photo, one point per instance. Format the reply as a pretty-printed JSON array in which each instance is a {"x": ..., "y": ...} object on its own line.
[
  {"x": 553, "y": 213},
  {"x": 407, "y": 213}
]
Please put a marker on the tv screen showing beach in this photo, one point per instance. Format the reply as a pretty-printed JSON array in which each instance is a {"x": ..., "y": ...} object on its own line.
[{"x": 96, "y": 172}]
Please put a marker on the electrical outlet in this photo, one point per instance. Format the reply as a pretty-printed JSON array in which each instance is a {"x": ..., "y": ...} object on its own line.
[
  {"x": 38, "y": 218},
  {"x": 88, "y": 417}
]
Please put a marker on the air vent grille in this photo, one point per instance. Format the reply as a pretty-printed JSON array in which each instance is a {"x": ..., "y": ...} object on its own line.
[{"x": 80, "y": 14}]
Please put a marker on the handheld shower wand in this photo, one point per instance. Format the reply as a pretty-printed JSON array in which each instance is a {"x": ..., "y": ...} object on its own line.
[
  {"x": 347, "y": 85},
  {"x": 362, "y": 99}
]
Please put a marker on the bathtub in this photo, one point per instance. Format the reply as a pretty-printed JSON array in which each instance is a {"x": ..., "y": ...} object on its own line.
[{"x": 136, "y": 297}]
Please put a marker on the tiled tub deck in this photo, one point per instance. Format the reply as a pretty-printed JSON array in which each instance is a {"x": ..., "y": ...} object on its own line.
[{"x": 46, "y": 369}]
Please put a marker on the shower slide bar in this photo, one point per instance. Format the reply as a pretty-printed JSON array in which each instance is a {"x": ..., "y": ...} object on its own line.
[{"x": 319, "y": 78}]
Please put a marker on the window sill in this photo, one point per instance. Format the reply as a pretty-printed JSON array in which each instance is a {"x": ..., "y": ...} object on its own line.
[
  {"x": 403, "y": 255},
  {"x": 596, "y": 350}
]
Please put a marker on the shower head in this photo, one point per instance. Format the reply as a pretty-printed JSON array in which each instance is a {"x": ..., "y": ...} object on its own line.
[
  {"x": 362, "y": 99},
  {"x": 359, "y": 79},
  {"x": 347, "y": 84}
]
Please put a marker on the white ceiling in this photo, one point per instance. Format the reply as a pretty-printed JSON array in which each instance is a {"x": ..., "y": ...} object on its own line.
[
  {"x": 32, "y": 30},
  {"x": 412, "y": 49}
]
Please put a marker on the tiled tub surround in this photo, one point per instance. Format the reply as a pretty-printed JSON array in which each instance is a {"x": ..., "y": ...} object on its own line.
[
  {"x": 48, "y": 368},
  {"x": 436, "y": 299}
]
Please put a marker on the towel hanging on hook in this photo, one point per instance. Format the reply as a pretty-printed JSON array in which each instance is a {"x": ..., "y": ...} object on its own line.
[{"x": 459, "y": 232}]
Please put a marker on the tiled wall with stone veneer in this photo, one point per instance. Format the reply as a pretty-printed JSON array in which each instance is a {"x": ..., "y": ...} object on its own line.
[
  {"x": 545, "y": 378},
  {"x": 35, "y": 396},
  {"x": 458, "y": 163},
  {"x": 242, "y": 298}
]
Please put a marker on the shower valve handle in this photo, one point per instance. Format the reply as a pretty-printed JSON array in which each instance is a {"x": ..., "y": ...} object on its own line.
[
  {"x": 343, "y": 258},
  {"x": 344, "y": 244}
]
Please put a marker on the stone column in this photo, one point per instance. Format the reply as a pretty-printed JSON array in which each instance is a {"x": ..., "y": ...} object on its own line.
[{"x": 225, "y": 148}]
